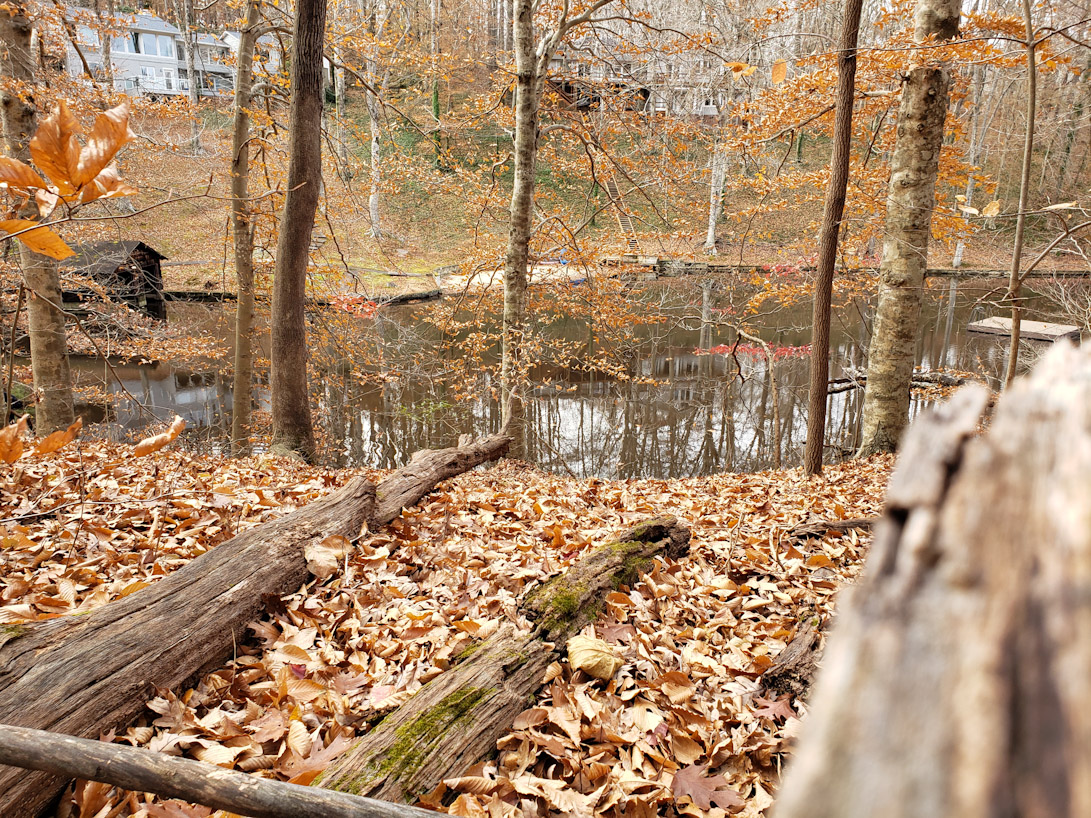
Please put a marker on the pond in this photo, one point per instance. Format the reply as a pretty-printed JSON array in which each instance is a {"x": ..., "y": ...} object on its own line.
[{"x": 672, "y": 412}]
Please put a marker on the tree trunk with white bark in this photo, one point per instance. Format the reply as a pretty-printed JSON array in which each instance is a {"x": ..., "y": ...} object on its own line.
[{"x": 909, "y": 204}]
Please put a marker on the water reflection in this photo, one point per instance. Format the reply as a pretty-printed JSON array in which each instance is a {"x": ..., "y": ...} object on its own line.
[{"x": 678, "y": 414}]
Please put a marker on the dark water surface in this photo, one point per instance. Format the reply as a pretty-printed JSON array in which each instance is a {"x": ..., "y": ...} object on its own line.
[{"x": 701, "y": 414}]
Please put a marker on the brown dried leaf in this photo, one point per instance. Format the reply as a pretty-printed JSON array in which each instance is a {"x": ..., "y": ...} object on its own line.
[
  {"x": 299, "y": 740},
  {"x": 11, "y": 440},
  {"x": 324, "y": 558},
  {"x": 691, "y": 782},
  {"x": 59, "y": 439},
  {"x": 157, "y": 442},
  {"x": 593, "y": 656},
  {"x": 780, "y": 72}
]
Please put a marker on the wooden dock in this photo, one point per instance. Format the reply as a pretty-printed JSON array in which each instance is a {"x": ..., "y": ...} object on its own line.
[{"x": 1035, "y": 330}]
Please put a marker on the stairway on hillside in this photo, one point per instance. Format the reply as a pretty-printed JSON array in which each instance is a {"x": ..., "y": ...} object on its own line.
[{"x": 623, "y": 220}]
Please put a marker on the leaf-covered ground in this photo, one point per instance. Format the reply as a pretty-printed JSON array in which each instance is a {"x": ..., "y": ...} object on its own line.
[{"x": 681, "y": 728}]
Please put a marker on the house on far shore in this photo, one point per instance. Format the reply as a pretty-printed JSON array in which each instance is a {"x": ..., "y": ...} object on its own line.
[
  {"x": 128, "y": 271},
  {"x": 148, "y": 56}
]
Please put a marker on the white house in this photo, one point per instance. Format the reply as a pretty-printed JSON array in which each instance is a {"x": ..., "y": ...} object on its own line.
[{"x": 148, "y": 58}]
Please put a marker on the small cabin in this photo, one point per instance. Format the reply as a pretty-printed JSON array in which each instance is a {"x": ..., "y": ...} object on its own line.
[{"x": 129, "y": 271}]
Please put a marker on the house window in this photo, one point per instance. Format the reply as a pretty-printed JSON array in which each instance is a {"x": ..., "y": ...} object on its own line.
[
  {"x": 123, "y": 45},
  {"x": 166, "y": 46}
]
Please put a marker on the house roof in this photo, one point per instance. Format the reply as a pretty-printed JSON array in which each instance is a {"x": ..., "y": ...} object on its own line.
[
  {"x": 149, "y": 22},
  {"x": 102, "y": 258},
  {"x": 212, "y": 40}
]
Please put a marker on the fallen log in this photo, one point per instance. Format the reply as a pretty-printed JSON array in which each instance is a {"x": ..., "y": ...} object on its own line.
[
  {"x": 795, "y": 668},
  {"x": 141, "y": 770},
  {"x": 83, "y": 675},
  {"x": 456, "y": 719},
  {"x": 817, "y": 526},
  {"x": 956, "y": 680}
]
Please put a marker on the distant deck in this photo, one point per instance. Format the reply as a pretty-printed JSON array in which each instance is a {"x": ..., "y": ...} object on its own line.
[{"x": 1035, "y": 330}]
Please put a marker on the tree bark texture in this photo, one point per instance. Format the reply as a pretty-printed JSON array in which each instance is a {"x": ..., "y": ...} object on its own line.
[
  {"x": 82, "y": 675},
  {"x": 909, "y": 204},
  {"x": 1014, "y": 279},
  {"x": 45, "y": 318},
  {"x": 242, "y": 230},
  {"x": 292, "y": 429},
  {"x": 828, "y": 238},
  {"x": 456, "y": 719},
  {"x": 141, "y": 770},
  {"x": 528, "y": 93},
  {"x": 189, "y": 45},
  {"x": 715, "y": 196},
  {"x": 956, "y": 680}
]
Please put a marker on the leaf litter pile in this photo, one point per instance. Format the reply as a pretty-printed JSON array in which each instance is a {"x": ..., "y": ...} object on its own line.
[{"x": 679, "y": 723}]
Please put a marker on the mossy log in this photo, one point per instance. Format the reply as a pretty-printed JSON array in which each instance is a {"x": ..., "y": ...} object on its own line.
[
  {"x": 956, "y": 679},
  {"x": 87, "y": 674},
  {"x": 456, "y": 719}
]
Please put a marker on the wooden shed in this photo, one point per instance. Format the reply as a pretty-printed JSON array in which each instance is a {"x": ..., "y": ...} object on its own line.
[{"x": 129, "y": 271}]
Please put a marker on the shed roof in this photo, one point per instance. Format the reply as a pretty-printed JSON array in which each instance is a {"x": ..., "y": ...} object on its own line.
[{"x": 102, "y": 258}]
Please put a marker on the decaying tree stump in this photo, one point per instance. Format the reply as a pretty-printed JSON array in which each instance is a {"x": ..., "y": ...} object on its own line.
[
  {"x": 83, "y": 675},
  {"x": 456, "y": 719},
  {"x": 957, "y": 678}
]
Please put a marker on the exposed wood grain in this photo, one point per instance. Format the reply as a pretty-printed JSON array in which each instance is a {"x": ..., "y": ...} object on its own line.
[
  {"x": 956, "y": 680},
  {"x": 142, "y": 770},
  {"x": 82, "y": 675},
  {"x": 429, "y": 467},
  {"x": 456, "y": 719},
  {"x": 795, "y": 668}
]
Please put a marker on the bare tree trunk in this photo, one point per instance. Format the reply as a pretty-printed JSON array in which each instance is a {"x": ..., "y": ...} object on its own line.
[
  {"x": 46, "y": 319},
  {"x": 974, "y": 153},
  {"x": 106, "y": 42},
  {"x": 242, "y": 231},
  {"x": 521, "y": 210},
  {"x": 1014, "y": 284},
  {"x": 956, "y": 680},
  {"x": 715, "y": 197},
  {"x": 374, "y": 112},
  {"x": 189, "y": 45},
  {"x": 433, "y": 35},
  {"x": 292, "y": 428},
  {"x": 827, "y": 239},
  {"x": 909, "y": 204}
]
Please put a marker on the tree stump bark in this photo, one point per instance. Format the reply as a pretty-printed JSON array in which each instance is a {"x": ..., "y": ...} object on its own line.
[
  {"x": 956, "y": 680},
  {"x": 456, "y": 719},
  {"x": 82, "y": 675}
]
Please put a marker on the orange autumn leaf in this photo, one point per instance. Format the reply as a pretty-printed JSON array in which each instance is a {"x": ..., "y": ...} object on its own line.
[
  {"x": 18, "y": 176},
  {"x": 38, "y": 238},
  {"x": 157, "y": 442},
  {"x": 56, "y": 150},
  {"x": 11, "y": 440},
  {"x": 109, "y": 134},
  {"x": 59, "y": 439}
]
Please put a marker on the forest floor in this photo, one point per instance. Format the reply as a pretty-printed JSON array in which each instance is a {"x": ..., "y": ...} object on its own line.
[{"x": 683, "y": 727}]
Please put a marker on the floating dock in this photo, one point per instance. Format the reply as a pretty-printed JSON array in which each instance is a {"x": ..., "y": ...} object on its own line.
[{"x": 1035, "y": 330}]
